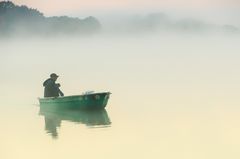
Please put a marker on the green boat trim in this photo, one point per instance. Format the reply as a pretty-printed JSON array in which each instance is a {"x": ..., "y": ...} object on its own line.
[{"x": 86, "y": 101}]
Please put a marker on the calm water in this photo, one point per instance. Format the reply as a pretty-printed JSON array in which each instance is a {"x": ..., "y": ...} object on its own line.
[{"x": 173, "y": 97}]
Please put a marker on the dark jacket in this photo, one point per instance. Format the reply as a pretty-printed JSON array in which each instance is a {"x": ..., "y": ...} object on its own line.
[{"x": 51, "y": 88}]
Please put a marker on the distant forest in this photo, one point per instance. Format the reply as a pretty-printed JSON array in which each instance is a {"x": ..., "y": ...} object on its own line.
[
  {"x": 160, "y": 22},
  {"x": 21, "y": 20}
]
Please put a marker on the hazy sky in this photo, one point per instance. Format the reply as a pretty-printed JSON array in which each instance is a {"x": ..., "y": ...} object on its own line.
[
  {"x": 55, "y": 6},
  {"x": 216, "y": 11}
]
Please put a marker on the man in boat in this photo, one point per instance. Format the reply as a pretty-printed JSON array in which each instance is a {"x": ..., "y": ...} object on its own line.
[{"x": 51, "y": 88}]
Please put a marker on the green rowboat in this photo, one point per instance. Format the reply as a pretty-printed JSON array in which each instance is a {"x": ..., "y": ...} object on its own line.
[{"x": 87, "y": 101}]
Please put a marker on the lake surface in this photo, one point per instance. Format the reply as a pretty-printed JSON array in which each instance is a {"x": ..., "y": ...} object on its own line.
[{"x": 173, "y": 97}]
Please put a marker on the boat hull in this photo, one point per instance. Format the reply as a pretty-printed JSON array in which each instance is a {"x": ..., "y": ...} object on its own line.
[{"x": 89, "y": 101}]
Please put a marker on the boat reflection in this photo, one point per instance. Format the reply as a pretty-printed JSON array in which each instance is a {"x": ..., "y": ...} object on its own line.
[{"x": 91, "y": 118}]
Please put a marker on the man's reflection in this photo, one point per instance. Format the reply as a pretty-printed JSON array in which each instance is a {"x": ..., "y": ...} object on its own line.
[{"x": 51, "y": 125}]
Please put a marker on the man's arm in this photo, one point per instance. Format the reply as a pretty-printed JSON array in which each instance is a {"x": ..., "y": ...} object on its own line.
[{"x": 60, "y": 92}]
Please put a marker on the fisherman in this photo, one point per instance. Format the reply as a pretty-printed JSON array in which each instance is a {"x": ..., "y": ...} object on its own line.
[{"x": 51, "y": 88}]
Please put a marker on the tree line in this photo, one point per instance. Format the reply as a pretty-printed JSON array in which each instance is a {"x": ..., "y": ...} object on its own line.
[{"x": 16, "y": 19}]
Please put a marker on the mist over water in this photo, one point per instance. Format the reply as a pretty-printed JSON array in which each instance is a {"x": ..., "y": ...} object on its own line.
[{"x": 174, "y": 95}]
